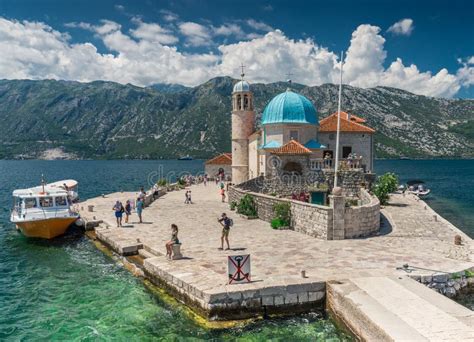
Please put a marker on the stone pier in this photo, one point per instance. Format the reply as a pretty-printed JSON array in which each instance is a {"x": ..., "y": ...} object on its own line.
[{"x": 409, "y": 235}]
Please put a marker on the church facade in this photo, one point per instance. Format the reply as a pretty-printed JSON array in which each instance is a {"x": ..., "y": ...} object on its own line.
[{"x": 291, "y": 139}]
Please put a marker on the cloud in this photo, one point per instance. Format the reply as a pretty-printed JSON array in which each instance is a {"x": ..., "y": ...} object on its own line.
[
  {"x": 119, "y": 8},
  {"x": 229, "y": 30},
  {"x": 196, "y": 34},
  {"x": 169, "y": 16},
  {"x": 153, "y": 33},
  {"x": 258, "y": 25},
  {"x": 146, "y": 54},
  {"x": 465, "y": 74},
  {"x": 403, "y": 27}
]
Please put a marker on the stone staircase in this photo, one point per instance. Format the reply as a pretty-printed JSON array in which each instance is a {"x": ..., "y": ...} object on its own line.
[{"x": 398, "y": 309}]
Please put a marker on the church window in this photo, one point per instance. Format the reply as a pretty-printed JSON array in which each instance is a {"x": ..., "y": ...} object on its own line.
[
  {"x": 246, "y": 102},
  {"x": 294, "y": 135}
]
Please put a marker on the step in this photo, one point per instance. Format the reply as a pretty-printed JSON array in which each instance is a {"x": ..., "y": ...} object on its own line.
[
  {"x": 389, "y": 308},
  {"x": 145, "y": 254}
]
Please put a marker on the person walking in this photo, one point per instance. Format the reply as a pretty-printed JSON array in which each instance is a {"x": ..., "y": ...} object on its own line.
[
  {"x": 139, "y": 209},
  {"x": 174, "y": 240},
  {"x": 205, "y": 179},
  {"x": 186, "y": 197},
  {"x": 118, "y": 209},
  {"x": 223, "y": 195},
  {"x": 226, "y": 223},
  {"x": 128, "y": 210}
]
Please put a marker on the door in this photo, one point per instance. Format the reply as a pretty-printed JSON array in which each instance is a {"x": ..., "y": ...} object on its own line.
[{"x": 346, "y": 150}]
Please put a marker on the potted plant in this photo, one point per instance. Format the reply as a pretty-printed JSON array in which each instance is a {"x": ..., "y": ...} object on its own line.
[
  {"x": 282, "y": 216},
  {"x": 247, "y": 207},
  {"x": 233, "y": 205}
]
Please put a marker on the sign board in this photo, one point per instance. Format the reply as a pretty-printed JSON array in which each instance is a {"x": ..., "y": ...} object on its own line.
[{"x": 238, "y": 267}]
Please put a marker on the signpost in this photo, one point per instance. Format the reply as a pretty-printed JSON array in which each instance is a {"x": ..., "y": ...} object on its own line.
[{"x": 238, "y": 267}]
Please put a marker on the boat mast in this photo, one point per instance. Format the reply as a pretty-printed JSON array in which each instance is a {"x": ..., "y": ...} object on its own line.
[{"x": 336, "y": 167}]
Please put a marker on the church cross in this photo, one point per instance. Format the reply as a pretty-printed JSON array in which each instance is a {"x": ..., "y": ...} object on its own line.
[
  {"x": 288, "y": 76},
  {"x": 242, "y": 74}
]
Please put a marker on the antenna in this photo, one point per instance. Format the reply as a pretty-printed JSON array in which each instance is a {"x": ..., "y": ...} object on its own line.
[{"x": 336, "y": 167}]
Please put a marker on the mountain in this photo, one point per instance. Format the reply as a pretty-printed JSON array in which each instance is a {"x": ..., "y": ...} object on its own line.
[
  {"x": 65, "y": 119},
  {"x": 167, "y": 88}
]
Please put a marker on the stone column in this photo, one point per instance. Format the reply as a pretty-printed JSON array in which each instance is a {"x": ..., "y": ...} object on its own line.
[{"x": 337, "y": 203}]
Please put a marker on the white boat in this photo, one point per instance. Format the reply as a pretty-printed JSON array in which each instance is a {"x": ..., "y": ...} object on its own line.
[
  {"x": 45, "y": 211},
  {"x": 417, "y": 187}
]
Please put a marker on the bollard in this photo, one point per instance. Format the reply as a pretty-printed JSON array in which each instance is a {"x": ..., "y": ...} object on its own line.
[
  {"x": 303, "y": 274},
  {"x": 457, "y": 240},
  {"x": 426, "y": 208},
  {"x": 90, "y": 208},
  {"x": 436, "y": 218},
  {"x": 138, "y": 240}
]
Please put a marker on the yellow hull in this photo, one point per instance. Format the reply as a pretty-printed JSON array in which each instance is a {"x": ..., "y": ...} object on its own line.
[{"x": 46, "y": 229}]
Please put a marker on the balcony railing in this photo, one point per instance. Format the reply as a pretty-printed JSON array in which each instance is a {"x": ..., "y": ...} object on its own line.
[{"x": 329, "y": 163}]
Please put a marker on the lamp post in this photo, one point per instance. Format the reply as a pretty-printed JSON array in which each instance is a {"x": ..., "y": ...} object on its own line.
[{"x": 336, "y": 167}]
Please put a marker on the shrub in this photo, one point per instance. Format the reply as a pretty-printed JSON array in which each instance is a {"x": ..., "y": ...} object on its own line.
[
  {"x": 162, "y": 182},
  {"x": 385, "y": 184},
  {"x": 181, "y": 182},
  {"x": 247, "y": 206},
  {"x": 282, "y": 215},
  {"x": 233, "y": 205}
]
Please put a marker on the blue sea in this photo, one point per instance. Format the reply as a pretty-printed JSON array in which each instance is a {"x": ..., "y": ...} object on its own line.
[{"x": 66, "y": 289}]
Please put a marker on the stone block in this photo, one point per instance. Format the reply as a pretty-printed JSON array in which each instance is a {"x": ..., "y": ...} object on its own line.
[
  {"x": 279, "y": 300},
  {"x": 440, "y": 278},
  {"x": 291, "y": 298},
  {"x": 251, "y": 303},
  {"x": 303, "y": 297},
  {"x": 267, "y": 300},
  {"x": 315, "y": 296}
]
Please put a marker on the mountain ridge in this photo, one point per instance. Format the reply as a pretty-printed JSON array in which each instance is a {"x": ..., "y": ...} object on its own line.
[{"x": 107, "y": 120}]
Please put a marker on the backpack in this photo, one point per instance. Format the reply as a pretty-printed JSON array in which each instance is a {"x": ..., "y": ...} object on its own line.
[{"x": 231, "y": 222}]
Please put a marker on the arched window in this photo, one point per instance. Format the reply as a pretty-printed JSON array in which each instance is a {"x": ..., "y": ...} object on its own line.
[
  {"x": 246, "y": 102},
  {"x": 293, "y": 168},
  {"x": 238, "y": 107}
]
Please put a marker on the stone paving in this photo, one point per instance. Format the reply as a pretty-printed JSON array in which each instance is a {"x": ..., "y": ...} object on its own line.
[{"x": 410, "y": 235}]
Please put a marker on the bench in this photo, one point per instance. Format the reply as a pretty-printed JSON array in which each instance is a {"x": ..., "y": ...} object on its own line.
[{"x": 176, "y": 251}]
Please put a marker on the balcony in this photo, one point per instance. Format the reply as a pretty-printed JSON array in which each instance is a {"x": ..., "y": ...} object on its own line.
[{"x": 354, "y": 163}]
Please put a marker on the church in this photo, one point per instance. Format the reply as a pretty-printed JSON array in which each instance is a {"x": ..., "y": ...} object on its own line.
[{"x": 290, "y": 140}]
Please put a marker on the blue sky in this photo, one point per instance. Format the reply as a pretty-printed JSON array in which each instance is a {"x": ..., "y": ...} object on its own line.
[{"x": 430, "y": 51}]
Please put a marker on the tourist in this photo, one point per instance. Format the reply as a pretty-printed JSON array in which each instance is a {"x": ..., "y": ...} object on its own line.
[
  {"x": 139, "y": 209},
  {"x": 217, "y": 179},
  {"x": 128, "y": 210},
  {"x": 174, "y": 240},
  {"x": 190, "y": 201},
  {"x": 223, "y": 195},
  {"x": 226, "y": 224},
  {"x": 205, "y": 179},
  {"x": 142, "y": 194},
  {"x": 118, "y": 209}
]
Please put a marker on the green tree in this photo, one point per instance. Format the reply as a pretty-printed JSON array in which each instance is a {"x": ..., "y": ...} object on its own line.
[{"x": 385, "y": 185}]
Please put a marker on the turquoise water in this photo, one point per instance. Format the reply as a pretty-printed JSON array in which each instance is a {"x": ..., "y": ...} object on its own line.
[{"x": 67, "y": 289}]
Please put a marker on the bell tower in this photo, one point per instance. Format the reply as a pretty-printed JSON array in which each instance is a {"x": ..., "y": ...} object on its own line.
[{"x": 243, "y": 125}]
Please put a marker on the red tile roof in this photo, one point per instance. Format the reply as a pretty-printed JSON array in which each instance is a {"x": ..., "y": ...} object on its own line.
[
  {"x": 355, "y": 124},
  {"x": 222, "y": 159},
  {"x": 292, "y": 147}
]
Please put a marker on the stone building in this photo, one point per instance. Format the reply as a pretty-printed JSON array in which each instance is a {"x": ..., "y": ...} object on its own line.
[
  {"x": 291, "y": 141},
  {"x": 219, "y": 164}
]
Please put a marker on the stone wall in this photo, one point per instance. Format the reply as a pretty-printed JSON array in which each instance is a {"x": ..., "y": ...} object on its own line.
[
  {"x": 317, "y": 220},
  {"x": 311, "y": 219},
  {"x": 363, "y": 220}
]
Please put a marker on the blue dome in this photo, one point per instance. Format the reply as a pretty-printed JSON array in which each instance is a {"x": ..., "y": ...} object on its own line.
[
  {"x": 289, "y": 107},
  {"x": 241, "y": 86}
]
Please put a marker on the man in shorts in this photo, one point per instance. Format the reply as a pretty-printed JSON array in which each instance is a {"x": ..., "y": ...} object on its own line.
[{"x": 226, "y": 223}]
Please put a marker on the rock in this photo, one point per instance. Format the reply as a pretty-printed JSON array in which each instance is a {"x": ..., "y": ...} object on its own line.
[
  {"x": 450, "y": 292},
  {"x": 440, "y": 278}
]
